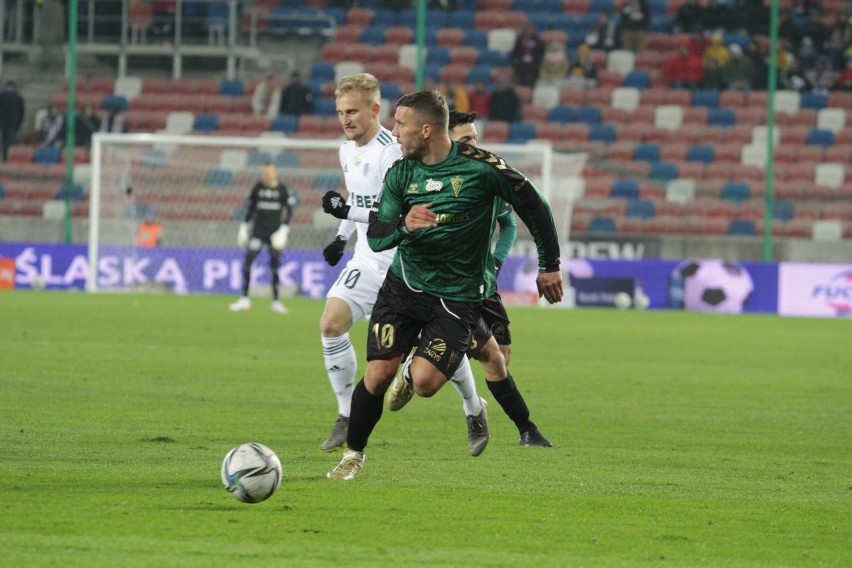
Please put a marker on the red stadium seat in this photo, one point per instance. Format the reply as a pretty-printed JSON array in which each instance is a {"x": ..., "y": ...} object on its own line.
[
  {"x": 449, "y": 37},
  {"x": 735, "y": 99},
  {"x": 398, "y": 35}
]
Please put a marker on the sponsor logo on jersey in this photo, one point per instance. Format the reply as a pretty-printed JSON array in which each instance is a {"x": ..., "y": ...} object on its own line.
[
  {"x": 434, "y": 185},
  {"x": 413, "y": 188},
  {"x": 456, "y": 182},
  {"x": 452, "y": 218},
  {"x": 366, "y": 169},
  {"x": 436, "y": 349}
]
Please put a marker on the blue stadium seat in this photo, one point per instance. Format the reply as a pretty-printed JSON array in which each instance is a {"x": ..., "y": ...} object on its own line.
[
  {"x": 563, "y": 113},
  {"x": 325, "y": 106},
  {"x": 601, "y": 6},
  {"x": 661, "y": 24},
  {"x": 625, "y": 189},
  {"x": 820, "y": 137},
  {"x": 784, "y": 210},
  {"x": 112, "y": 101},
  {"x": 479, "y": 73},
  {"x": 153, "y": 158},
  {"x": 602, "y": 225},
  {"x": 384, "y": 17},
  {"x": 706, "y": 98},
  {"x": 206, "y": 123},
  {"x": 438, "y": 56},
  {"x": 701, "y": 153},
  {"x": 648, "y": 152},
  {"x": 605, "y": 133},
  {"x": 521, "y": 132},
  {"x": 639, "y": 79},
  {"x": 77, "y": 193},
  {"x": 287, "y": 160},
  {"x": 373, "y": 35},
  {"x": 463, "y": 18},
  {"x": 286, "y": 123},
  {"x": 322, "y": 72},
  {"x": 474, "y": 38},
  {"x": 2, "y": 191},
  {"x": 722, "y": 117},
  {"x": 641, "y": 208},
  {"x": 814, "y": 100},
  {"x": 438, "y": 19},
  {"x": 326, "y": 182},
  {"x": 735, "y": 191},
  {"x": 433, "y": 72},
  {"x": 391, "y": 91},
  {"x": 492, "y": 58},
  {"x": 742, "y": 227},
  {"x": 588, "y": 114},
  {"x": 407, "y": 17},
  {"x": 663, "y": 171},
  {"x": 232, "y": 88},
  {"x": 220, "y": 177},
  {"x": 46, "y": 155}
]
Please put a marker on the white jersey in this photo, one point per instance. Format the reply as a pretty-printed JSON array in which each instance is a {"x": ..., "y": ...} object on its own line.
[{"x": 364, "y": 170}]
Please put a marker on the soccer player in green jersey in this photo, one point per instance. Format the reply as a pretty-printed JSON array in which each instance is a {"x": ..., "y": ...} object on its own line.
[
  {"x": 492, "y": 340},
  {"x": 437, "y": 206}
]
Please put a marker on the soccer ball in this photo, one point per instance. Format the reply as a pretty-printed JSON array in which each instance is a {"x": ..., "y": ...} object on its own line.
[
  {"x": 251, "y": 472},
  {"x": 622, "y": 300},
  {"x": 711, "y": 286}
]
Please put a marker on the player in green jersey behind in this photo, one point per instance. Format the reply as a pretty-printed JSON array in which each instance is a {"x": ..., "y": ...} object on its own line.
[
  {"x": 492, "y": 340},
  {"x": 437, "y": 206}
]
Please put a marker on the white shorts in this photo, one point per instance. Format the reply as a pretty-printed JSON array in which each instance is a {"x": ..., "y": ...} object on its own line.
[{"x": 358, "y": 285}]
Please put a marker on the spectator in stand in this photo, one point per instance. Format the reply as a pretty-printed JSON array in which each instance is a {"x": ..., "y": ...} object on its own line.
[
  {"x": 690, "y": 17},
  {"x": 787, "y": 28},
  {"x": 713, "y": 77},
  {"x": 12, "y": 112},
  {"x": 114, "y": 121},
  {"x": 794, "y": 78},
  {"x": 698, "y": 43},
  {"x": 683, "y": 69},
  {"x": 759, "y": 61},
  {"x": 505, "y": 104},
  {"x": 582, "y": 69},
  {"x": 296, "y": 98},
  {"x": 716, "y": 52},
  {"x": 807, "y": 55},
  {"x": 838, "y": 37},
  {"x": 527, "y": 55},
  {"x": 605, "y": 33},
  {"x": 52, "y": 128},
  {"x": 554, "y": 65},
  {"x": 822, "y": 76},
  {"x": 456, "y": 96},
  {"x": 163, "y": 29},
  {"x": 480, "y": 99},
  {"x": 717, "y": 16},
  {"x": 844, "y": 80},
  {"x": 738, "y": 72},
  {"x": 635, "y": 18},
  {"x": 86, "y": 123},
  {"x": 266, "y": 97},
  {"x": 814, "y": 29}
]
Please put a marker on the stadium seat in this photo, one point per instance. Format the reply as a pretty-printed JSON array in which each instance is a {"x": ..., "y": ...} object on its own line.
[
  {"x": 232, "y": 88},
  {"x": 287, "y": 160},
  {"x": 606, "y": 133},
  {"x": 322, "y": 72},
  {"x": 663, "y": 171},
  {"x": 735, "y": 191},
  {"x": 398, "y": 35},
  {"x": 680, "y": 190},
  {"x": 668, "y": 116},
  {"x": 621, "y": 61},
  {"x": 639, "y": 79},
  {"x": 830, "y": 175},
  {"x": 479, "y": 73},
  {"x": 546, "y": 96},
  {"x": 732, "y": 99},
  {"x": 742, "y": 227},
  {"x": 625, "y": 189},
  {"x": 500, "y": 39},
  {"x": 495, "y": 131},
  {"x": 820, "y": 137},
  {"x": 832, "y": 119},
  {"x": 521, "y": 132},
  {"x": 602, "y": 225},
  {"x": 219, "y": 177},
  {"x": 286, "y": 123},
  {"x": 785, "y": 101},
  {"x": 206, "y": 123},
  {"x": 814, "y": 101},
  {"x": 115, "y": 101},
  {"x": 46, "y": 155},
  {"x": 641, "y": 208},
  {"x": 701, "y": 153},
  {"x": 588, "y": 114},
  {"x": 705, "y": 98},
  {"x": 626, "y": 98},
  {"x": 648, "y": 152},
  {"x": 827, "y": 230},
  {"x": 722, "y": 117},
  {"x": 784, "y": 210}
]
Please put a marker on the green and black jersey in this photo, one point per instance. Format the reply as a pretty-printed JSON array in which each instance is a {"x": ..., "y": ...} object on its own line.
[{"x": 465, "y": 190}]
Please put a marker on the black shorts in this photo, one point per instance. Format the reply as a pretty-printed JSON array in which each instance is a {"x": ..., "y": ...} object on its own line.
[
  {"x": 401, "y": 319},
  {"x": 494, "y": 321}
]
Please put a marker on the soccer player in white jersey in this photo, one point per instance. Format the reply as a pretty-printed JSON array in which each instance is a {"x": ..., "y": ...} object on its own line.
[{"x": 368, "y": 152}]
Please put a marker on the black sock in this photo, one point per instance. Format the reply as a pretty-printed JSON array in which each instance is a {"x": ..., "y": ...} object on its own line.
[
  {"x": 365, "y": 414},
  {"x": 512, "y": 402}
]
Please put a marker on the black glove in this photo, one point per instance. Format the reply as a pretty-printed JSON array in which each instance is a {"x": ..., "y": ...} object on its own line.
[
  {"x": 334, "y": 252},
  {"x": 334, "y": 204}
]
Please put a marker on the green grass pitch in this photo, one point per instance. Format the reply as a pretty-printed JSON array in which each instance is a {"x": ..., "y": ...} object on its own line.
[{"x": 680, "y": 440}]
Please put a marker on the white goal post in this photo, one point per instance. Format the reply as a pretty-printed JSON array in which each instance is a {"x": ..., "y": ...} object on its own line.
[{"x": 195, "y": 185}]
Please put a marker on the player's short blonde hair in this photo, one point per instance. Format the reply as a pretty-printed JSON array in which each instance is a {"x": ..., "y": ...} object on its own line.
[{"x": 364, "y": 83}]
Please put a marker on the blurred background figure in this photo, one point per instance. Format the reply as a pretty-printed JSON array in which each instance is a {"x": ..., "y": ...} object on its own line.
[
  {"x": 12, "y": 111},
  {"x": 296, "y": 98},
  {"x": 266, "y": 98}
]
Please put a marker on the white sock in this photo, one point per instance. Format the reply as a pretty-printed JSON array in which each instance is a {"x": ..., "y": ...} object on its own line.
[
  {"x": 466, "y": 387},
  {"x": 340, "y": 364}
]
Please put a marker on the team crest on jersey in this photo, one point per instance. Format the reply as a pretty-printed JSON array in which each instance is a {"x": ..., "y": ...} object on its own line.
[
  {"x": 434, "y": 185},
  {"x": 456, "y": 182}
]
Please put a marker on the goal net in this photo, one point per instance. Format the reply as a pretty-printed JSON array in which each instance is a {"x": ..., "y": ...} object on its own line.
[{"x": 194, "y": 189}]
